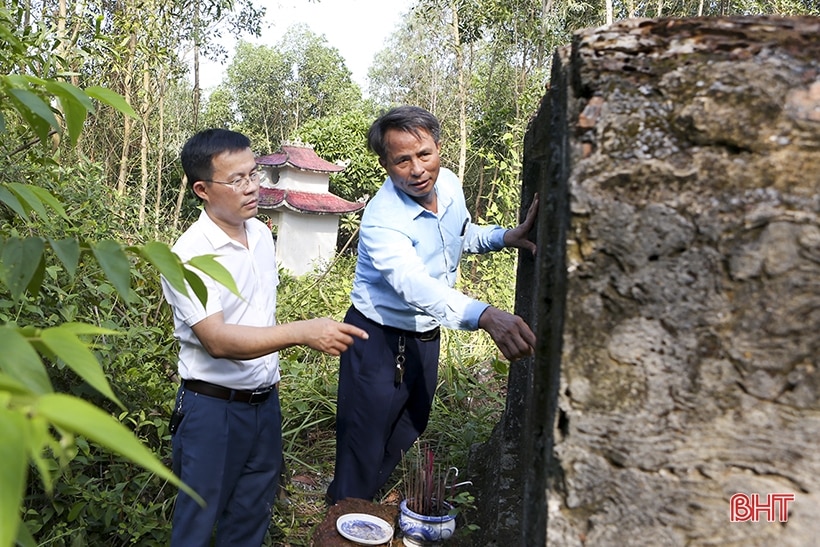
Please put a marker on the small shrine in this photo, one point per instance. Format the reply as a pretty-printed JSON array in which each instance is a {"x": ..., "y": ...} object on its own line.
[{"x": 294, "y": 194}]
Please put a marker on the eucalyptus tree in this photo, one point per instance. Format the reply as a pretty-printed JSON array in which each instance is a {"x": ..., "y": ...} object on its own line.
[
  {"x": 207, "y": 25},
  {"x": 415, "y": 67},
  {"x": 709, "y": 8},
  {"x": 252, "y": 97},
  {"x": 321, "y": 84}
]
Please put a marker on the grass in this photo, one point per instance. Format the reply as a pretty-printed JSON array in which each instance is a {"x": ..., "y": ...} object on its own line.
[
  {"x": 100, "y": 499},
  {"x": 468, "y": 402}
]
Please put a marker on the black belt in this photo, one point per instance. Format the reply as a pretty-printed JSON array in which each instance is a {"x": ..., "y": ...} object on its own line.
[
  {"x": 425, "y": 336},
  {"x": 254, "y": 397}
]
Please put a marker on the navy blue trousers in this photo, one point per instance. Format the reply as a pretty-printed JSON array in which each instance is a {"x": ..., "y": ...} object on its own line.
[
  {"x": 230, "y": 453},
  {"x": 377, "y": 421}
]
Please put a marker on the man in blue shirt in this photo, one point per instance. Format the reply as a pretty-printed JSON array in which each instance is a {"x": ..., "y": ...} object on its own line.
[{"x": 412, "y": 235}]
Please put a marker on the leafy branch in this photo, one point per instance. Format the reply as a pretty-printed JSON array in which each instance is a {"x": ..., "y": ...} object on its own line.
[{"x": 33, "y": 417}]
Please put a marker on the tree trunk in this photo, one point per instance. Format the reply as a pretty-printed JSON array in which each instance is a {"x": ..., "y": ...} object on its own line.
[
  {"x": 128, "y": 124},
  {"x": 196, "y": 91},
  {"x": 462, "y": 93},
  {"x": 196, "y": 106},
  {"x": 63, "y": 51},
  {"x": 479, "y": 191},
  {"x": 183, "y": 185},
  {"x": 160, "y": 155},
  {"x": 145, "y": 143}
]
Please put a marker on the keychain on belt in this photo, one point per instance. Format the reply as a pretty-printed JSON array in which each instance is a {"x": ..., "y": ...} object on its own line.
[
  {"x": 178, "y": 414},
  {"x": 397, "y": 379}
]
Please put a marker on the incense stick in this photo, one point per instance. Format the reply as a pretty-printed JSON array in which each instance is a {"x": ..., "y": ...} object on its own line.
[{"x": 424, "y": 482}]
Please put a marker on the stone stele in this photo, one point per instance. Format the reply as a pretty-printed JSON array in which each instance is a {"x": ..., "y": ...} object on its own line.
[{"x": 675, "y": 294}]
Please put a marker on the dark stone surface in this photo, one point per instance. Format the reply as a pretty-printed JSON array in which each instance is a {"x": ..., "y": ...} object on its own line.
[{"x": 676, "y": 293}]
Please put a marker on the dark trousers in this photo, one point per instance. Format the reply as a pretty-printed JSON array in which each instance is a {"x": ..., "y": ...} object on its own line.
[
  {"x": 377, "y": 420},
  {"x": 230, "y": 453}
]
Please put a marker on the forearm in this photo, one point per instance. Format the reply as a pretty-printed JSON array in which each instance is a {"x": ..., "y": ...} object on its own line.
[{"x": 242, "y": 342}]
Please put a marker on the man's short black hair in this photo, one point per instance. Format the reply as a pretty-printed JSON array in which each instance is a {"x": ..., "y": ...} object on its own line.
[
  {"x": 198, "y": 153},
  {"x": 412, "y": 119}
]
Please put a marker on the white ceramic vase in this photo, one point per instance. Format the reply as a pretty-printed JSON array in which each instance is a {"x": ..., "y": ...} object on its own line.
[{"x": 423, "y": 530}]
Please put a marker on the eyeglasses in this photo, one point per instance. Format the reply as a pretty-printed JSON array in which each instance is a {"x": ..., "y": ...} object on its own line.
[{"x": 240, "y": 184}]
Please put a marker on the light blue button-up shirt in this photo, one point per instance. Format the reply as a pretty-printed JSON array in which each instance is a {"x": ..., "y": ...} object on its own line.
[{"x": 409, "y": 256}]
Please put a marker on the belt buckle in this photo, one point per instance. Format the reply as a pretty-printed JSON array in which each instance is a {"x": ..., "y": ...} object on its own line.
[{"x": 259, "y": 396}]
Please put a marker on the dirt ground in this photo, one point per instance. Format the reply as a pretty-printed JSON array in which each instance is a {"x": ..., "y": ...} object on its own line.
[{"x": 326, "y": 534}]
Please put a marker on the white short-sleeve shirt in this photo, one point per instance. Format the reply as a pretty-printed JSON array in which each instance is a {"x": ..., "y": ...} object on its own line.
[{"x": 255, "y": 273}]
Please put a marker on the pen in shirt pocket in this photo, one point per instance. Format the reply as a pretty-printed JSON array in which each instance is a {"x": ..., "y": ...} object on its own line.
[{"x": 464, "y": 226}]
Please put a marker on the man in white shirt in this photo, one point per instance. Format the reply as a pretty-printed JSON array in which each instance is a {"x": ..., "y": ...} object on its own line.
[
  {"x": 228, "y": 447},
  {"x": 411, "y": 238}
]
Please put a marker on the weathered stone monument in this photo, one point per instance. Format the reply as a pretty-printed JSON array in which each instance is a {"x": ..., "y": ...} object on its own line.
[{"x": 676, "y": 295}]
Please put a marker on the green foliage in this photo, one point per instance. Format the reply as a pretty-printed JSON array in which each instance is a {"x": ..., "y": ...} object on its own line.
[
  {"x": 469, "y": 399},
  {"x": 693, "y": 8},
  {"x": 86, "y": 336},
  {"x": 32, "y": 414},
  {"x": 31, "y": 409},
  {"x": 123, "y": 505},
  {"x": 44, "y": 105},
  {"x": 271, "y": 91},
  {"x": 343, "y": 138},
  {"x": 28, "y": 96}
]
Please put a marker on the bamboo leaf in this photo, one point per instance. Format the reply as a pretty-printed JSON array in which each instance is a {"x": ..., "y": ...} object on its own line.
[
  {"x": 39, "y": 437},
  {"x": 75, "y": 104},
  {"x": 13, "y": 473},
  {"x": 200, "y": 291},
  {"x": 79, "y": 329},
  {"x": 78, "y": 416},
  {"x": 24, "y": 192},
  {"x": 114, "y": 263},
  {"x": 68, "y": 251},
  {"x": 11, "y": 200},
  {"x": 24, "y": 537},
  {"x": 48, "y": 199},
  {"x": 75, "y": 115},
  {"x": 65, "y": 89},
  {"x": 9, "y": 384},
  {"x": 208, "y": 265},
  {"x": 167, "y": 263},
  {"x": 35, "y": 110},
  {"x": 21, "y": 258},
  {"x": 36, "y": 282},
  {"x": 112, "y": 99},
  {"x": 63, "y": 342}
]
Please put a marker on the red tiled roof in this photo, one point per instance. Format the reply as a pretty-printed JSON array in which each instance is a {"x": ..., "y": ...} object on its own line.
[
  {"x": 306, "y": 202},
  {"x": 300, "y": 157}
]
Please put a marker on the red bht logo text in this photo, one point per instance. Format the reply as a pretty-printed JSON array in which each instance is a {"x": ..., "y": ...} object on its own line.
[{"x": 751, "y": 507}]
